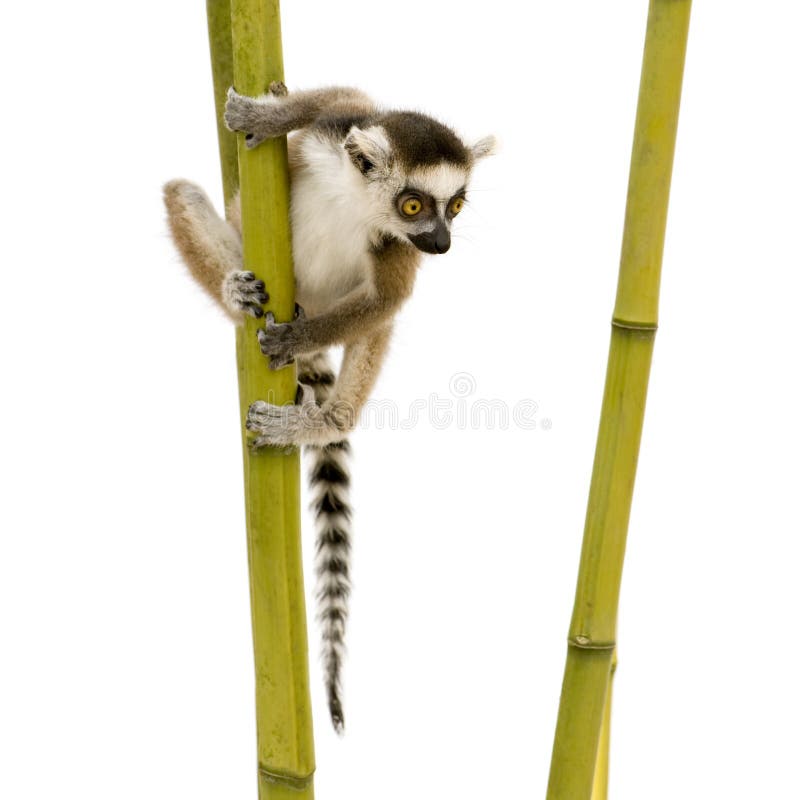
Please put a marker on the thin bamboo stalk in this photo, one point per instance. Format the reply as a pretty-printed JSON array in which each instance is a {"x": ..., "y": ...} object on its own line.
[
  {"x": 600, "y": 783},
  {"x": 246, "y": 51},
  {"x": 218, "y": 13},
  {"x": 592, "y": 635}
]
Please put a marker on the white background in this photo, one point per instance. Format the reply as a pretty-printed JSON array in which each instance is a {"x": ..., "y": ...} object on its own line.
[{"x": 125, "y": 632}]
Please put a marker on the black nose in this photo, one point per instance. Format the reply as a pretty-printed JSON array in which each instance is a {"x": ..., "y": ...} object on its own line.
[{"x": 435, "y": 241}]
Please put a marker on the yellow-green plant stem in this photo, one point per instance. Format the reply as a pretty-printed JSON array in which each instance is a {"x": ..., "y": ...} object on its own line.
[
  {"x": 592, "y": 635},
  {"x": 245, "y": 39},
  {"x": 600, "y": 783}
]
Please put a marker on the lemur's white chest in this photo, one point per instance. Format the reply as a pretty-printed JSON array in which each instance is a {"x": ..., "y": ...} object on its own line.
[{"x": 331, "y": 225}]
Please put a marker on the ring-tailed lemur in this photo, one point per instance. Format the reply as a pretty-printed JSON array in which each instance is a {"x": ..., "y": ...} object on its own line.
[{"x": 370, "y": 191}]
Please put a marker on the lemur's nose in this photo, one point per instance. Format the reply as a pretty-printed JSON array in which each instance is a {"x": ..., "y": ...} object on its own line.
[{"x": 442, "y": 242}]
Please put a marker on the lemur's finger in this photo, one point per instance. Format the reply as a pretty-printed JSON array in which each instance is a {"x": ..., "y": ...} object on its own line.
[
  {"x": 253, "y": 310},
  {"x": 256, "y": 414},
  {"x": 279, "y": 362},
  {"x": 253, "y": 295},
  {"x": 252, "y": 140},
  {"x": 263, "y": 341},
  {"x": 268, "y": 343},
  {"x": 278, "y": 88},
  {"x": 251, "y": 289},
  {"x": 272, "y": 346}
]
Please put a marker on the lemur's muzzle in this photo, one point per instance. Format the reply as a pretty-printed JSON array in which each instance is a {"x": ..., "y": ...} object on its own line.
[{"x": 435, "y": 241}]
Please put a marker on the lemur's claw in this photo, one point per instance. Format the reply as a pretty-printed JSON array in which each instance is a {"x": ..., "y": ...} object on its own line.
[
  {"x": 242, "y": 292},
  {"x": 279, "y": 340},
  {"x": 298, "y": 311}
]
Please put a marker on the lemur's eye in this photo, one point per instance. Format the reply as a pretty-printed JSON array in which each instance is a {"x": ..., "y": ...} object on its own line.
[
  {"x": 456, "y": 205},
  {"x": 411, "y": 207}
]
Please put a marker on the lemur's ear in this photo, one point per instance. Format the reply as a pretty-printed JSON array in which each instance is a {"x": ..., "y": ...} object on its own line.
[
  {"x": 369, "y": 149},
  {"x": 484, "y": 147}
]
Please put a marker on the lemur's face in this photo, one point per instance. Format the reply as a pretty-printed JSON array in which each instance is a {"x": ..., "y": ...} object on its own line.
[
  {"x": 415, "y": 203},
  {"x": 429, "y": 200}
]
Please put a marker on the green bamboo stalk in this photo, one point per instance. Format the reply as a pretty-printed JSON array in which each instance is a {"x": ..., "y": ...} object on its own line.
[
  {"x": 600, "y": 783},
  {"x": 246, "y": 52},
  {"x": 592, "y": 635},
  {"x": 218, "y": 13}
]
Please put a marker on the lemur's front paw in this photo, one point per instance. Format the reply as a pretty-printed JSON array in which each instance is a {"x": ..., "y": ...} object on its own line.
[
  {"x": 243, "y": 292},
  {"x": 279, "y": 341},
  {"x": 259, "y": 118},
  {"x": 284, "y": 426}
]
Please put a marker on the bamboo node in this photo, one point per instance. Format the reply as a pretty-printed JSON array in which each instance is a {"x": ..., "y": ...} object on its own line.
[
  {"x": 616, "y": 322},
  {"x": 583, "y": 642},
  {"x": 286, "y": 779}
]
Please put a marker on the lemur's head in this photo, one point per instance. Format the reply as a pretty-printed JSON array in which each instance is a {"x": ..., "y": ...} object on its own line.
[{"x": 416, "y": 171}]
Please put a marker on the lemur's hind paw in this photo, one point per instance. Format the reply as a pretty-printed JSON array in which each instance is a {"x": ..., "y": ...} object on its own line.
[
  {"x": 259, "y": 118},
  {"x": 279, "y": 340},
  {"x": 284, "y": 426},
  {"x": 243, "y": 292}
]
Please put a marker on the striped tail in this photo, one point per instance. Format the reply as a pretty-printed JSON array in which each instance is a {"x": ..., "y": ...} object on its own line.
[{"x": 330, "y": 482}]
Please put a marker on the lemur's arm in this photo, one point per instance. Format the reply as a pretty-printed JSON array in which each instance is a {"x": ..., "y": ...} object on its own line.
[
  {"x": 357, "y": 314},
  {"x": 351, "y": 318},
  {"x": 277, "y": 113},
  {"x": 310, "y": 424}
]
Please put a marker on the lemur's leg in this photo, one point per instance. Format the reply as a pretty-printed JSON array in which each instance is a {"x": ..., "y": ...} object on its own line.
[
  {"x": 212, "y": 249},
  {"x": 277, "y": 113},
  {"x": 310, "y": 424},
  {"x": 314, "y": 370}
]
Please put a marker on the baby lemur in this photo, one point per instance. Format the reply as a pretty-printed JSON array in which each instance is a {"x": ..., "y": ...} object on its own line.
[{"x": 371, "y": 190}]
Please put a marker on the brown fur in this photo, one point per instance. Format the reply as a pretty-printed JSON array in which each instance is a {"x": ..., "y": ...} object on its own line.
[
  {"x": 210, "y": 248},
  {"x": 361, "y": 365},
  {"x": 367, "y": 308}
]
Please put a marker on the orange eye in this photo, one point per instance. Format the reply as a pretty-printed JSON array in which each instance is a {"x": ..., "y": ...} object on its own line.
[
  {"x": 411, "y": 207},
  {"x": 456, "y": 205}
]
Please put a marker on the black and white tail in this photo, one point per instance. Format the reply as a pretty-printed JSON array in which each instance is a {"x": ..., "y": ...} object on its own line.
[{"x": 330, "y": 482}]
